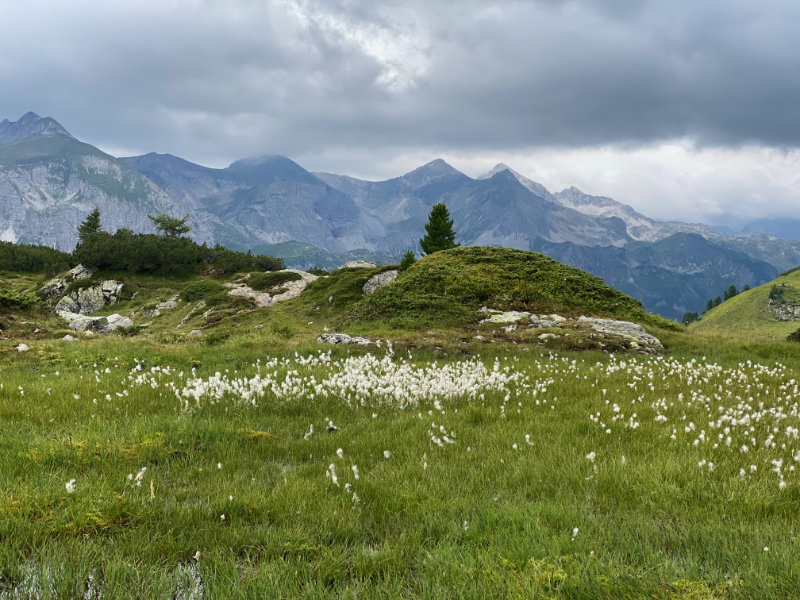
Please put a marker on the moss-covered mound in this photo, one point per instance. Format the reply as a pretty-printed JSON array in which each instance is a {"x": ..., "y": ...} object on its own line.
[{"x": 446, "y": 289}]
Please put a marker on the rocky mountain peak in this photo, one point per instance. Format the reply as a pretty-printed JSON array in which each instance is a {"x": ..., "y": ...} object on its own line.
[
  {"x": 436, "y": 170},
  {"x": 29, "y": 125},
  {"x": 534, "y": 186}
]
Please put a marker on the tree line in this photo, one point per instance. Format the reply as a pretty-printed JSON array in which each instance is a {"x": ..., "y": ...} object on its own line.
[
  {"x": 691, "y": 317},
  {"x": 167, "y": 252}
]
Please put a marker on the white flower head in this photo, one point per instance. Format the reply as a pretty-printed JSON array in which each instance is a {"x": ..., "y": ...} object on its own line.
[{"x": 70, "y": 486}]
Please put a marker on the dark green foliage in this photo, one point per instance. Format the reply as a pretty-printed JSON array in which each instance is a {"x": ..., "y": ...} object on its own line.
[
  {"x": 792, "y": 270},
  {"x": 90, "y": 226},
  {"x": 448, "y": 287},
  {"x": 33, "y": 259},
  {"x": 746, "y": 287},
  {"x": 265, "y": 281},
  {"x": 140, "y": 252},
  {"x": 200, "y": 290},
  {"x": 730, "y": 292},
  {"x": 717, "y": 301},
  {"x": 794, "y": 336},
  {"x": 709, "y": 304},
  {"x": 170, "y": 226},
  {"x": 439, "y": 231},
  {"x": 230, "y": 261},
  {"x": 318, "y": 272},
  {"x": 689, "y": 317},
  {"x": 777, "y": 292},
  {"x": 408, "y": 260},
  {"x": 12, "y": 299},
  {"x": 146, "y": 253},
  {"x": 225, "y": 300}
]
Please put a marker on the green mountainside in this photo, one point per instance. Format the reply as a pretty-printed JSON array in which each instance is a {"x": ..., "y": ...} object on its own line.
[{"x": 765, "y": 313}]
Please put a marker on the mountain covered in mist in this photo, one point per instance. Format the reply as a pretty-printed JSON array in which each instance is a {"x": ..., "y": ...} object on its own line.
[{"x": 49, "y": 182}]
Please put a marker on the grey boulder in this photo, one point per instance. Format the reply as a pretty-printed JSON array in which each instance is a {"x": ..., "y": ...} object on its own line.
[{"x": 378, "y": 281}]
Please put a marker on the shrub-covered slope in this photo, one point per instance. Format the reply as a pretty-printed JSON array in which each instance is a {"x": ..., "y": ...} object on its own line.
[{"x": 447, "y": 288}]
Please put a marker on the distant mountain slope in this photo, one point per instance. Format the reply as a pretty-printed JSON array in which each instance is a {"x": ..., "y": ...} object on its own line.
[
  {"x": 497, "y": 210},
  {"x": 48, "y": 184},
  {"x": 765, "y": 313},
  {"x": 263, "y": 201},
  {"x": 765, "y": 246},
  {"x": 671, "y": 276}
]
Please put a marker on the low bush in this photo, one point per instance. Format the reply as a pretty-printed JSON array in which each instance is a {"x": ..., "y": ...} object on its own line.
[
  {"x": 265, "y": 281},
  {"x": 201, "y": 290}
]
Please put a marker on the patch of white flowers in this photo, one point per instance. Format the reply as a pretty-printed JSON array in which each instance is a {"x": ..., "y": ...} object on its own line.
[{"x": 725, "y": 415}]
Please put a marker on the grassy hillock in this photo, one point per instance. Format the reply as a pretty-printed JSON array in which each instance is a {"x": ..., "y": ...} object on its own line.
[
  {"x": 748, "y": 316},
  {"x": 447, "y": 288}
]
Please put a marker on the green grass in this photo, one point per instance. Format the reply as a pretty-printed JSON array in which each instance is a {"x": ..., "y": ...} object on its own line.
[
  {"x": 476, "y": 518},
  {"x": 747, "y": 316}
]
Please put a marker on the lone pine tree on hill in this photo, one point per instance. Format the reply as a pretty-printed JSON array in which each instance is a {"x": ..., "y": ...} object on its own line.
[{"x": 439, "y": 231}]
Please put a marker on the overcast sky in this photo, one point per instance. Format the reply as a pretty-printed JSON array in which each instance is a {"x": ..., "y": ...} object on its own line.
[{"x": 684, "y": 109}]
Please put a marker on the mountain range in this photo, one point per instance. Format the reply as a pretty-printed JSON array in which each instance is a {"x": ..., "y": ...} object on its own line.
[{"x": 50, "y": 181}]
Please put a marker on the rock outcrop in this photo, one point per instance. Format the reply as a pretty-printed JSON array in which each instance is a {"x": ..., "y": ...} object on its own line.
[
  {"x": 58, "y": 285},
  {"x": 343, "y": 339},
  {"x": 82, "y": 323},
  {"x": 633, "y": 334},
  {"x": 378, "y": 281},
  {"x": 289, "y": 290},
  {"x": 784, "y": 311},
  {"x": 88, "y": 300},
  {"x": 359, "y": 264}
]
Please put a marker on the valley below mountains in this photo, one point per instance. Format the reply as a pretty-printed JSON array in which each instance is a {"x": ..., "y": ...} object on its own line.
[{"x": 50, "y": 181}]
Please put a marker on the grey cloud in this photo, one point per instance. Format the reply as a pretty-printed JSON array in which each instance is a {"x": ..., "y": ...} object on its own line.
[{"x": 217, "y": 81}]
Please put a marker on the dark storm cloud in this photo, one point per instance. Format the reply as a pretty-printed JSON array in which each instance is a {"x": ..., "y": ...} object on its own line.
[{"x": 214, "y": 81}]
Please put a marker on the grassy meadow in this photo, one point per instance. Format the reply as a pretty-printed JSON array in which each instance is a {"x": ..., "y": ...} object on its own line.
[{"x": 252, "y": 462}]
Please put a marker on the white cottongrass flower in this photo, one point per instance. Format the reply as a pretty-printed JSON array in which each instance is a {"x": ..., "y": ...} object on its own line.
[
  {"x": 340, "y": 453},
  {"x": 574, "y": 533},
  {"x": 355, "y": 471},
  {"x": 387, "y": 454},
  {"x": 591, "y": 456},
  {"x": 138, "y": 479},
  {"x": 219, "y": 465},
  {"x": 70, "y": 485},
  {"x": 331, "y": 474}
]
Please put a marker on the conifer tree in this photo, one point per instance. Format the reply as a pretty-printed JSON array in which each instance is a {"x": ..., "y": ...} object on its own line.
[
  {"x": 171, "y": 226},
  {"x": 408, "y": 260},
  {"x": 89, "y": 227},
  {"x": 439, "y": 231}
]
